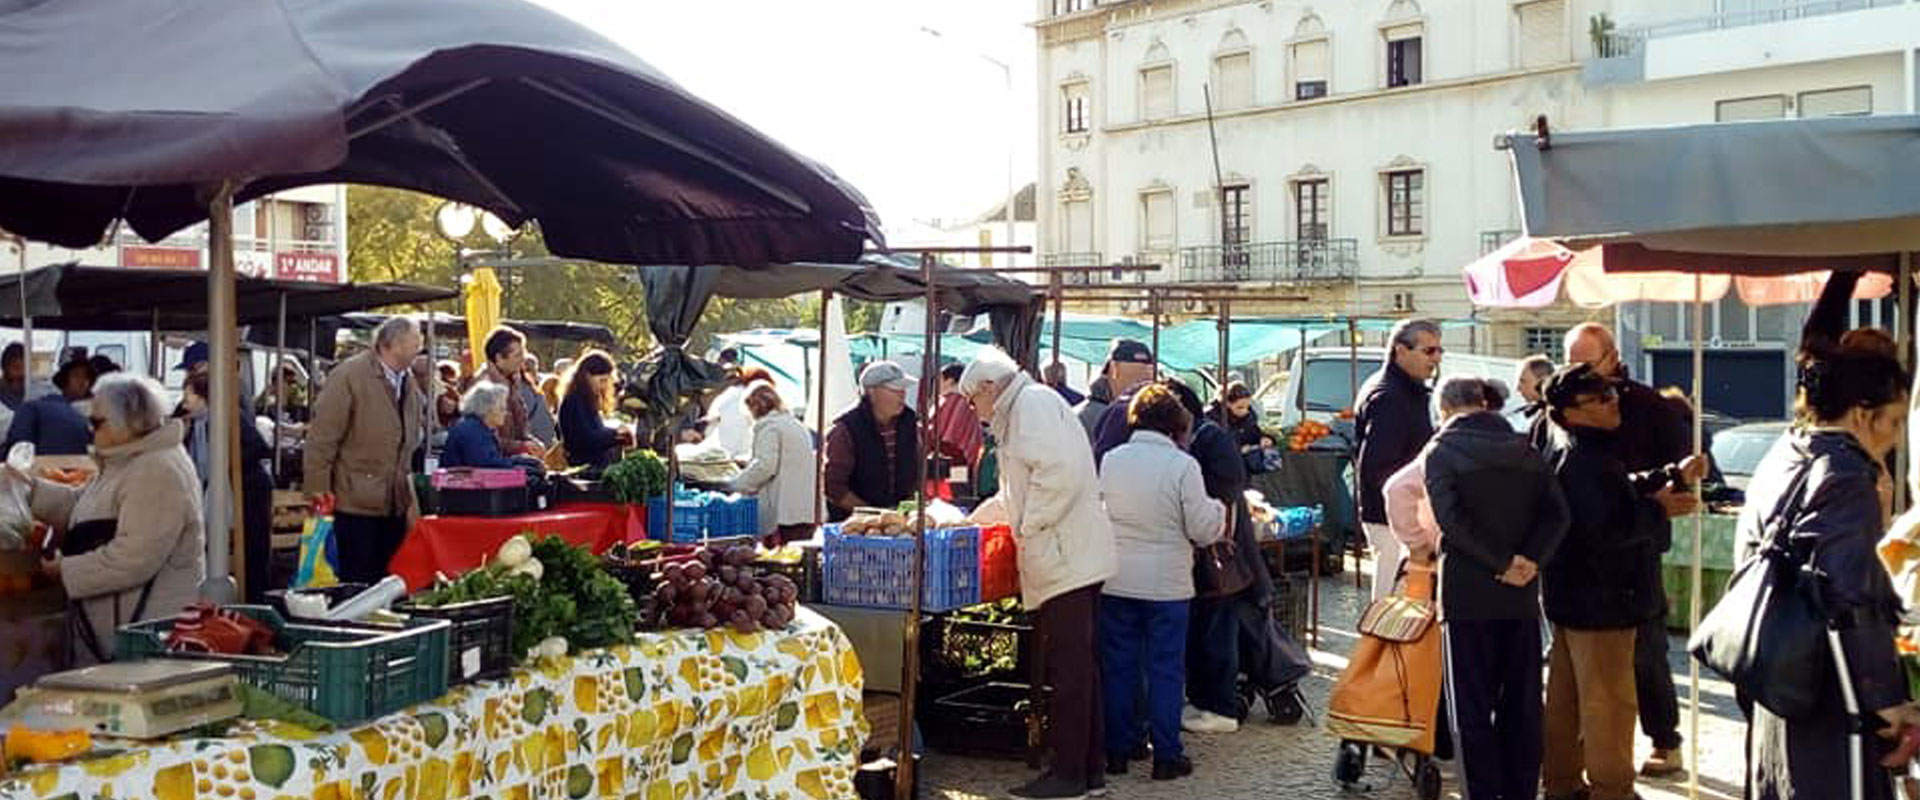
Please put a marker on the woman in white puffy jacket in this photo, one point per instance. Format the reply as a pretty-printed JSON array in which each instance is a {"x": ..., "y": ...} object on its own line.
[{"x": 781, "y": 472}]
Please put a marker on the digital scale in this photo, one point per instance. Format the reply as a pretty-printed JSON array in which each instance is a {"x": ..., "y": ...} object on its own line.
[{"x": 135, "y": 700}]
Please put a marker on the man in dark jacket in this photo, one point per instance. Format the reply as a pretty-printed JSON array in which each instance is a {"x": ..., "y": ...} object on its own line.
[
  {"x": 1393, "y": 421},
  {"x": 1500, "y": 513},
  {"x": 872, "y": 448},
  {"x": 1130, "y": 365},
  {"x": 1600, "y": 586},
  {"x": 1653, "y": 432}
]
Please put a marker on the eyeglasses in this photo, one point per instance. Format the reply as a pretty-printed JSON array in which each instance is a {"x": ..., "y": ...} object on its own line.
[{"x": 1433, "y": 351}]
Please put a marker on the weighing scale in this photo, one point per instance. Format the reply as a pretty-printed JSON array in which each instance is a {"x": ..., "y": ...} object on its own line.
[{"x": 135, "y": 700}]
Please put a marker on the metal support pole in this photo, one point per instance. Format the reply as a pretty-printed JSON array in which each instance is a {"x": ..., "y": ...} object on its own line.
[
  {"x": 1226, "y": 350},
  {"x": 1903, "y": 342},
  {"x": 223, "y": 384},
  {"x": 433, "y": 369},
  {"x": 1353, "y": 393},
  {"x": 1153, "y": 302},
  {"x": 279, "y": 384},
  {"x": 1059, "y": 303},
  {"x": 910, "y": 660},
  {"x": 1699, "y": 527},
  {"x": 820, "y": 417},
  {"x": 155, "y": 353}
]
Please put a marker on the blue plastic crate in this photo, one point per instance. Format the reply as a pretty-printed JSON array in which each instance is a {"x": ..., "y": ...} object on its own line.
[
  {"x": 877, "y": 571},
  {"x": 1298, "y": 521},
  {"x": 708, "y": 517}
]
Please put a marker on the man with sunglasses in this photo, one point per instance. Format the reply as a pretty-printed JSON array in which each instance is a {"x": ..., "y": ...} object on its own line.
[
  {"x": 1393, "y": 421},
  {"x": 1601, "y": 585},
  {"x": 1653, "y": 433}
]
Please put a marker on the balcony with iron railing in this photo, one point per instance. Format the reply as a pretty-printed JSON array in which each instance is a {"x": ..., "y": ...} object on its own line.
[{"x": 1300, "y": 262}]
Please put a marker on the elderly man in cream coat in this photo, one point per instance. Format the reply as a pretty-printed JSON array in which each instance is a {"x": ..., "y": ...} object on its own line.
[{"x": 1050, "y": 495}]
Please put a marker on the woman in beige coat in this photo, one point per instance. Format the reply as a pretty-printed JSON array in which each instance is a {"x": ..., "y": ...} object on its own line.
[
  {"x": 133, "y": 544},
  {"x": 782, "y": 470}
]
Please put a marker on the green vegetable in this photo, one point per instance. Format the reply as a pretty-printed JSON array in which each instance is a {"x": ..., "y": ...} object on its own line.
[
  {"x": 637, "y": 477},
  {"x": 574, "y": 598}
]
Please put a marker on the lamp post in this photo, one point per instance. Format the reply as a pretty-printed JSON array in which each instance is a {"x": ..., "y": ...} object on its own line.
[{"x": 1006, "y": 73}]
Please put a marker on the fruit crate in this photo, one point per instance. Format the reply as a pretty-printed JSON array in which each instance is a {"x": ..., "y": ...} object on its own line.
[
  {"x": 957, "y": 650},
  {"x": 346, "y": 673},
  {"x": 1289, "y": 604},
  {"x": 715, "y": 518},
  {"x": 877, "y": 571},
  {"x": 992, "y": 720},
  {"x": 481, "y": 637},
  {"x": 643, "y": 561}
]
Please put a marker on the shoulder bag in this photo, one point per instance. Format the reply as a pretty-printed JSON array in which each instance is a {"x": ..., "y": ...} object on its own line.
[
  {"x": 83, "y": 538},
  {"x": 1218, "y": 570},
  {"x": 1768, "y": 634}
]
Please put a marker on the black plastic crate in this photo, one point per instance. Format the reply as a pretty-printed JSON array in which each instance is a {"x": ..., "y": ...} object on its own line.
[
  {"x": 1290, "y": 597},
  {"x": 482, "y": 637},
  {"x": 956, "y": 651},
  {"x": 576, "y": 490},
  {"x": 483, "y": 502},
  {"x": 996, "y": 719}
]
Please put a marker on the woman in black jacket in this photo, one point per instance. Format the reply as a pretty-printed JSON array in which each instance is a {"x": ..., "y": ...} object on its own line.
[
  {"x": 1852, "y": 411},
  {"x": 588, "y": 440}
]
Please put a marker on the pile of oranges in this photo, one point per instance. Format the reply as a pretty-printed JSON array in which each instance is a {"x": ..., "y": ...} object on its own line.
[{"x": 1306, "y": 433}]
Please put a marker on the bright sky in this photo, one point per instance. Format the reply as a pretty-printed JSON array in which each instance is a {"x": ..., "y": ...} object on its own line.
[{"x": 919, "y": 124}]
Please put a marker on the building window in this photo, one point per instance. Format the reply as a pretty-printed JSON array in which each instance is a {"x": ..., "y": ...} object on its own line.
[
  {"x": 1079, "y": 227},
  {"x": 1747, "y": 109},
  {"x": 1236, "y": 219},
  {"x": 1233, "y": 80},
  {"x": 1544, "y": 341},
  {"x": 1156, "y": 92},
  {"x": 1853, "y": 101},
  {"x": 1156, "y": 211},
  {"x": 1311, "y": 205},
  {"x": 1075, "y": 100},
  {"x": 1070, "y": 6},
  {"x": 1403, "y": 56},
  {"x": 1406, "y": 203},
  {"x": 1542, "y": 28},
  {"x": 1310, "y": 69}
]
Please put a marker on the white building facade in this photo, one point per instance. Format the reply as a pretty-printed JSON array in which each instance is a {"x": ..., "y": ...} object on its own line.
[
  {"x": 297, "y": 234},
  {"x": 1349, "y": 150}
]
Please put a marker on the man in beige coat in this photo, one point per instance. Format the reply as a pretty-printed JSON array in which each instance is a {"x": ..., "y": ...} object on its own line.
[{"x": 366, "y": 424}]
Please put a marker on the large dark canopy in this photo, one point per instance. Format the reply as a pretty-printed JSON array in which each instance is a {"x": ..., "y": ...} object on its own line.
[
  {"x": 138, "y": 109},
  {"x": 453, "y": 326},
  {"x": 81, "y": 298}
]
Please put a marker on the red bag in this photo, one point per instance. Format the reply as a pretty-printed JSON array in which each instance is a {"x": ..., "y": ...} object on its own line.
[
  {"x": 999, "y": 563},
  {"x": 205, "y": 628}
]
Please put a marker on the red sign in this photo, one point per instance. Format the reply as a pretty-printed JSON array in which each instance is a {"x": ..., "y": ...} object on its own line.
[
  {"x": 159, "y": 257},
  {"x": 315, "y": 267}
]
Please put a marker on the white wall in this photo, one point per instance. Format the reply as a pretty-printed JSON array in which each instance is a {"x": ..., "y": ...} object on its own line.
[{"x": 1694, "y": 100}]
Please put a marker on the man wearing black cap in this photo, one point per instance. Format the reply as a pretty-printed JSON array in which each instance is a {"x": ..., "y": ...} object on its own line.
[{"x": 1130, "y": 365}]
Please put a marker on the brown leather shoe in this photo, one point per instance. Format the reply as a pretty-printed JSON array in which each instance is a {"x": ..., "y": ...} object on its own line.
[{"x": 1664, "y": 763}]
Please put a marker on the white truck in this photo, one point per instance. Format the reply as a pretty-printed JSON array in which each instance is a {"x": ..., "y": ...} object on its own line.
[{"x": 1319, "y": 381}]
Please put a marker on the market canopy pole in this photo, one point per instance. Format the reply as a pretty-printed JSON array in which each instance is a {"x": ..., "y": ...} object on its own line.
[
  {"x": 223, "y": 387},
  {"x": 820, "y": 416},
  {"x": 910, "y": 659}
]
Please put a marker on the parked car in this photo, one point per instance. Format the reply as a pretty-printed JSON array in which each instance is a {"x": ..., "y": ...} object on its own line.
[{"x": 1737, "y": 450}]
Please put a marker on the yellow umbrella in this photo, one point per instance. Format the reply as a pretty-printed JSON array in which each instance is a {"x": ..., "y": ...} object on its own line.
[{"x": 483, "y": 312}]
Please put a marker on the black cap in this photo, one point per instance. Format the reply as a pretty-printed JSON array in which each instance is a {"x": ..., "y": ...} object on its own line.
[{"x": 1129, "y": 351}]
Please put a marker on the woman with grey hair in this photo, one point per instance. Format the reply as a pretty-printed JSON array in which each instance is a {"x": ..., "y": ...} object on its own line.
[
  {"x": 474, "y": 441},
  {"x": 132, "y": 545}
]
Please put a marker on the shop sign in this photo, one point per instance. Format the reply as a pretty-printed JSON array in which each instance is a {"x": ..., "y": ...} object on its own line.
[
  {"x": 159, "y": 257},
  {"x": 315, "y": 267}
]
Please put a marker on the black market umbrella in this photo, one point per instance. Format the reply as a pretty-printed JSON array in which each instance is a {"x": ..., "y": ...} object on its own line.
[{"x": 75, "y": 297}]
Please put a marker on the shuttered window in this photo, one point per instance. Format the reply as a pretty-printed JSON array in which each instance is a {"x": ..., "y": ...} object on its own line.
[
  {"x": 1156, "y": 92},
  {"x": 1310, "y": 69},
  {"x": 1157, "y": 210},
  {"x": 1543, "y": 32},
  {"x": 1233, "y": 81},
  {"x": 1747, "y": 109},
  {"x": 1079, "y": 227},
  {"x": 1849, "y": 102}
]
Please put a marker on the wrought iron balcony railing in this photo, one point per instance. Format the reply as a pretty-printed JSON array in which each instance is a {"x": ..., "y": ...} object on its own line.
[{"x": 1305, "y": 261}]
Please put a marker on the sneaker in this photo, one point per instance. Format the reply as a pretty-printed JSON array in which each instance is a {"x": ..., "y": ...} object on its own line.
[
  {"x": 1097, "y": 786},
  {"x": 1170, "y": 770},
  {"x": 1049, "y": 787},
  {"x": 1209, "y": 722},
  {"x": 1664, "y": 762},
  {"x": 1189, "y": 712}
]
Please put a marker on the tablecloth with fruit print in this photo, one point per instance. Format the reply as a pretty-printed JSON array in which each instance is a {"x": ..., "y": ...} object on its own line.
[{"x": 674, "y": 716}]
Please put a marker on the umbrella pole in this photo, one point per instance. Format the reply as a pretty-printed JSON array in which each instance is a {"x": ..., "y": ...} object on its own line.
[
  {"x": 820, "y": 417},
  {"x": 1353, "y": 393},
  {"x": 433, "y": 397},
  {"x": 154, "y": 350},
  {"x": 910, "y": 660},
  {"x": 223, "y": 385},
  {"x": 1903, "y": 340},
  {"x": 1699, "y": 524},
  {"x": 1313, "y": 546}
]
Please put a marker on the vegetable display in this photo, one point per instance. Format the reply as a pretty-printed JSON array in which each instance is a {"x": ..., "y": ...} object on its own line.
[
  {"x": 720, "y": 588},
  {"x": 637, "y": 477},
  {"x": 559, "y": 592}
]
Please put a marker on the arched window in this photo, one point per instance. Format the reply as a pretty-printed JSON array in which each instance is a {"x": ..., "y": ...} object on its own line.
[
  {"x": 1233, "y": 72},
  {"x": 1311, "y": 56},
  {"x": 1157, "y": 99},
  {"x": 1403, "y": 31}
]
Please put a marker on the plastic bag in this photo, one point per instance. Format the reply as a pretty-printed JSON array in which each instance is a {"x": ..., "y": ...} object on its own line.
[
  {"x": 16, "y": 492},
  {"x": 319, "y": 554}
]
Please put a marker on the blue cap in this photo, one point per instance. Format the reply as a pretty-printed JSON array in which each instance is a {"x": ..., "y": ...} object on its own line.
[{"x": 197, "y": 353}]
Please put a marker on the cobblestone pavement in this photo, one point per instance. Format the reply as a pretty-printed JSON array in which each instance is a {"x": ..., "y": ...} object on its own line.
[{"x": 1265, "y": 761}]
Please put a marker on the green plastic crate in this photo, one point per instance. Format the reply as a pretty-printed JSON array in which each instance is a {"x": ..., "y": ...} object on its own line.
[
  {"x": 346, "y": 673},
  {"x": 1678, "y": 582}
]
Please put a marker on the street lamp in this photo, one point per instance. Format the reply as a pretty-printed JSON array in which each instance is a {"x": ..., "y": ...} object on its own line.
[{"x": 1007, "y": 73}]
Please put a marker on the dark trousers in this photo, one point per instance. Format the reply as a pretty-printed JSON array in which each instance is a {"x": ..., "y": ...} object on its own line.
[
  {"x": 1493, "y": 683},
  {"x": 1213, "y": 656},
  {"x": 366, "y": 544},
  {"x": 1068, "y": 627},
  {"x": 256, "y": 512},
  {"x": 1653, "y": 683},
  {"x": 1132, "y": 632}
]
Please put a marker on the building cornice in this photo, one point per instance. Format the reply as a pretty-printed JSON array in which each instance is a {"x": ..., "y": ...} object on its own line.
[{"x": 1091, "y": 23}]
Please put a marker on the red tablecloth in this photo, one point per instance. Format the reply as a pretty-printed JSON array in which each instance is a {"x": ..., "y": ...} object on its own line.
[{"x": 453, "y": 545}]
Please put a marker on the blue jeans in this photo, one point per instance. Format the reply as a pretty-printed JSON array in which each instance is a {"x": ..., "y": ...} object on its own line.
[{"x": 1154, "y": 631}]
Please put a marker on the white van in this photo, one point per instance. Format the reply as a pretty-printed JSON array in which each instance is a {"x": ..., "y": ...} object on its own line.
[{"x": 1322, "y": 386}]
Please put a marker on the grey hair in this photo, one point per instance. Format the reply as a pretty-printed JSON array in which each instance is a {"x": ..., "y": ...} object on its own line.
[
  {"x": 1540, "y": 367},
  {"x": 991, "y": 364},
  {"x": 392, "y": 329},
  {"x": 482, "y": 398},
  {"x": 1462, "y": 392},
  {"x": 1406, "y": 331},
  {"x": 130, "y": 402}
]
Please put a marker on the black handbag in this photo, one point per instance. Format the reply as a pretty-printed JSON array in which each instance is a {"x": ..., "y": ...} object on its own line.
[
  {"x": 82, "y": 538},
  {"x": 1768, "y": 634},
  {"x": 1218, "y": 569}
]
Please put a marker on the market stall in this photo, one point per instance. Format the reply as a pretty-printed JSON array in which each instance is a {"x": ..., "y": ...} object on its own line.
[
  {"x": 674, "y": 714},
  {"x": 449, "y": 545}
]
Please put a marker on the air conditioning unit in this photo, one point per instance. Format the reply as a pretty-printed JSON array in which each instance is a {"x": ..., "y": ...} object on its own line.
[
  {"x": 319, "y": 214},
  {"x": 1403, "y": 302}
]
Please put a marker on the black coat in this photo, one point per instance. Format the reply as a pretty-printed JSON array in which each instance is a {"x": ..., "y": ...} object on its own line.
[
  {"x": 1225, "y": 474},
  {"x": 1393, "y": 421},
  {"x": 1606, "y": 574},
  {"x": 1493, "y": 499},
  {"x": 1837, "y": 528}
]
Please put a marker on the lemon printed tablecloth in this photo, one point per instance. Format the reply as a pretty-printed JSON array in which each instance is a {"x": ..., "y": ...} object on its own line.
[{"x": 675, "y": 716}]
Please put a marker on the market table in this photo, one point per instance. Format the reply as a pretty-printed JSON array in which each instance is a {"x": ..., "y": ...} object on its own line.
[
  {"x": 453, "y": 545},
  {"x": 1314, "y": 478},
  {"x": 674, "y": 716}
]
